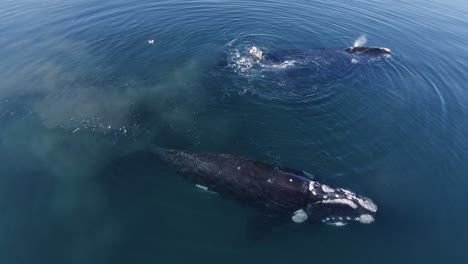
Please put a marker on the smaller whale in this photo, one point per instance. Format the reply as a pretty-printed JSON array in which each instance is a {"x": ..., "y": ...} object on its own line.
[
  {"x": 284, "y": 193},
  {"x": 317, "y": 55},
  {"x": 317, "y": 65},
  {"x": 368, "y": 50}
]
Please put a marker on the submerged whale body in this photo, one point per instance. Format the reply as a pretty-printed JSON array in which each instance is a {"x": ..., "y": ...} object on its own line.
[{"x": 277, "y": 191}]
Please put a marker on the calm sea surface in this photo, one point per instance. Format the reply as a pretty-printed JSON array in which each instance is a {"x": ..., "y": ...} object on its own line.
[{"x": 83, "y": 93}]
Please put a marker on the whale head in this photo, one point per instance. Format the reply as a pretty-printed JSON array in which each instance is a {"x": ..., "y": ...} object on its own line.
[{"x": 338, "y": 206}]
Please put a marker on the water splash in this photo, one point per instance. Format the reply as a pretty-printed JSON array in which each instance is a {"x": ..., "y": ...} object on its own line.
[{"x": 360, "y": 42}]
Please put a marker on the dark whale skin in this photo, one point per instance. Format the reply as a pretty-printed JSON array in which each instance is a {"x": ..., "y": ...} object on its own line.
[{"x": 254, "y": 183}]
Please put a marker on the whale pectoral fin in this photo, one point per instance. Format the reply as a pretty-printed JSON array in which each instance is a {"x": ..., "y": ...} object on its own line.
[
  {"x": 260, "y": 226},
  {"x": 204, "y": 188}
]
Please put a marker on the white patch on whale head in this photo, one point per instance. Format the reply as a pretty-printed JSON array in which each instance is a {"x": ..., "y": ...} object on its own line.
[
  {"x": 311, "y": 185},
  {"x": 347, "y": 191},
  {"x": 256, "y": 52},
  {"x": 367, "y": 204},
  {"x": 299, "y": 216},
  {"x": 341, "y": 201},
  {"x": 327, "y": 188}
]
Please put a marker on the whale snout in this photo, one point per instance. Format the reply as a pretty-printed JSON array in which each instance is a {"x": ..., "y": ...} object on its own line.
[{"x": 337, "y": 206}]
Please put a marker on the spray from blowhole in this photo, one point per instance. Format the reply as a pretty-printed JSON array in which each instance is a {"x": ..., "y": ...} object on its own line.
[{"x": 360, "y": 42}]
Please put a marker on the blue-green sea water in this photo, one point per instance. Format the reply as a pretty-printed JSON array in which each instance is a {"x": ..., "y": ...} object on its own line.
[{"x": 83, "y": 93}]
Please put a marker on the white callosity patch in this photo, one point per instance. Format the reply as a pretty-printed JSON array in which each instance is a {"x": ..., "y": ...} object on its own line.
[
  {"x": 327, "y": 188},
  {"x": 367, "y": 204},
  {"x": 347, "y": 192},
  {"x": 256, "y": 52},
  {"x": 300, "y": 216},
  {"x": 341, "y": 201},
  {"x": 311, "y": 186},
  {"x": 365, "y": 219}
]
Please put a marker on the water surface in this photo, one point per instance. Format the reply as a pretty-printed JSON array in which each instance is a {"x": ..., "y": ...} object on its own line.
[{"x": 83, "y": 93}]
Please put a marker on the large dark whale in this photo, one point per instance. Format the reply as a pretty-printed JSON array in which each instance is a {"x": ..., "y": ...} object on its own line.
[{"x": 281, "y": 192}]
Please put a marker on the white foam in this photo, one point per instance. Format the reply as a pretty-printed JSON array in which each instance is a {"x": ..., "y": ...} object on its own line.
[{"x": 285, "y": 64}]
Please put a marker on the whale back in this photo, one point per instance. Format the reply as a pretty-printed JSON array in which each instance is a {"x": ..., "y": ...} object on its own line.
[{"x": 272, "y": 188}]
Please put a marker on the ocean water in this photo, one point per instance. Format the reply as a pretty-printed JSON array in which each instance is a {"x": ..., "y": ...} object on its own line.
[{"x": 83, "y": 93}]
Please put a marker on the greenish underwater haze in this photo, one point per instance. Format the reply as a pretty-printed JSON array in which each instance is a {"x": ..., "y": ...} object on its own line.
[{"x": 83, "y": 94}]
